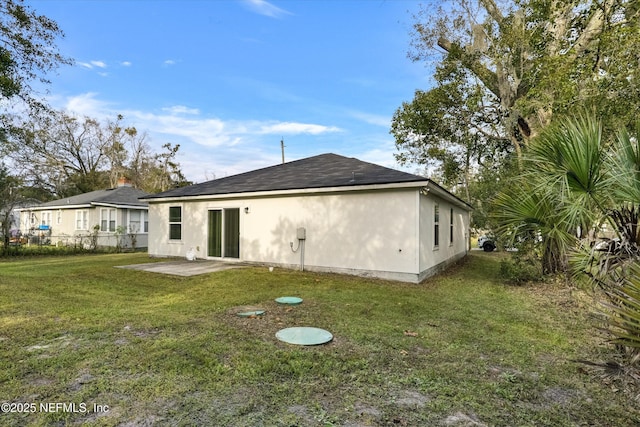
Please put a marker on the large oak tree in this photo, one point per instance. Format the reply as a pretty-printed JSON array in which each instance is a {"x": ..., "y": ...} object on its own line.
[
  {"x": 64, "y": 155},
  {"x": 505, "y": 69}
]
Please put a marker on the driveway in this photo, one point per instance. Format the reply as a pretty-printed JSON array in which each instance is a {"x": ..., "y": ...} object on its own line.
[{"x": 183, "y": 267}]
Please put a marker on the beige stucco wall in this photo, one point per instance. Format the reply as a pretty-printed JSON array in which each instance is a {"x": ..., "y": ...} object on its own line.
[
  {"x": 432, "y": 258},
  {"x": 367, "y": 233}
]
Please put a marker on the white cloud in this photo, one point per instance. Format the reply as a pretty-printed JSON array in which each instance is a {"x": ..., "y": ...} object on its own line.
[
  {"x": 86, "y": 105},
  {"x": 208, "y": 145},
  {"x": 294, "y": 128},
  {"x": 126, "y": 63},
  {"x": 181, "y": 109},
  {"x": 215, "y": 132},
  {"x": 265, "y": 8},
  {"x": 383, "y": 155},
  {"x": 169, "y": 62},
  {"x": 93, "y": 64},
  {"x": 372, "y": 119}
]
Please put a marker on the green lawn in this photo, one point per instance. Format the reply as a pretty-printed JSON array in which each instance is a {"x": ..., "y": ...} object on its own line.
[{"x": 459, "y": 349}]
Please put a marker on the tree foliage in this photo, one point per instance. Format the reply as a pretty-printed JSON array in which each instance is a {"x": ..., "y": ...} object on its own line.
[
  {"x": 65, "y": 155},
  {"x": 505, "y": 69},
  {"x": 579, "y": 199},
  {"x": 536, "y": 58},
  {"x": 27, "y": 51},
  {"x": 10, "y": 197}
]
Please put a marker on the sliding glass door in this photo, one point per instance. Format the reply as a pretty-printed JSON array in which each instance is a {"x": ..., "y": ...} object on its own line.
[{"x": 224, "y": 233}]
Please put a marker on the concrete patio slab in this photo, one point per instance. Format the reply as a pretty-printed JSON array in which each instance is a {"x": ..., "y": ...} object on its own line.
[{"x": 183, "y": 267}]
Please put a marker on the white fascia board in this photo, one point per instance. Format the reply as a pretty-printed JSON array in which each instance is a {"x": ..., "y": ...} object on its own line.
[
  {"x": 113, "y": 205},
  {"x": 444, "y": 194},
  {"x": 58, "y": 207},
  {"x": 300, "y": 191}
]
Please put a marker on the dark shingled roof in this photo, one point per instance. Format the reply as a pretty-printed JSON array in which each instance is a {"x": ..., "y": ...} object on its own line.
[
  {"x": 325, "y": 170},
  {"x": 127, "y": 196}
]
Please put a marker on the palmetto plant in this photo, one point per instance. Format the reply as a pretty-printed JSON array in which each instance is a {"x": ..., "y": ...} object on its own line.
[
  {"x": 624, "y": 312},
  {"x": 577, "y": 182}
]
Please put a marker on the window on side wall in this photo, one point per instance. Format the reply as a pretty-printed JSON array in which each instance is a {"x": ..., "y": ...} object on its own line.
[
  {"x": 436, "y": 225},
  {"x": 451, "y": 226},
  {"x": 137, "y": 221},
  {"x": 108, "y": 219},
  {"x": 175, "y": 222},
  {"x": 46, "y": 218},
  {"x": 82, "y": 220}
]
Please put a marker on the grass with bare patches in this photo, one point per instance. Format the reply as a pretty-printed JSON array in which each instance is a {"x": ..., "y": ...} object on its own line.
[{"x": 459, "y": 349}]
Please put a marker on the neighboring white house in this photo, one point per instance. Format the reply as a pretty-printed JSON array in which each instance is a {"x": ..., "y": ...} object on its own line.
[
  {"x": 14, "y": 216},
  {"x": 325, "y": 213},
  {"x": 110, "y": 217}
]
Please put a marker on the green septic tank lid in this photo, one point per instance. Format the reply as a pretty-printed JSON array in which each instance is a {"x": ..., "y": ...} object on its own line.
[
  {"x": 253, "y": 313},
  {"x": 289, "y": 300},
  {"x": 304, "y": 335}
]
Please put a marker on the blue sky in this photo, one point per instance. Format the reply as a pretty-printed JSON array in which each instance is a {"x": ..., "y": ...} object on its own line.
[{"x": 228, "y": 79}]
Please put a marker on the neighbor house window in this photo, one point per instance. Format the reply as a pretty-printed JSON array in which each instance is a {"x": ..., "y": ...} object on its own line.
[
  {"x": 45, "y": 218},
  {"x": 138, "y": 221},
  {"x": 108, "y": 219},
  {"x": 82, "y": 220},
  {"x": 436, "y": 225},
  {"x": 451, "y": 226},
  {"x": 175, "y": 222},
  {"x": 59, "y": 217}
]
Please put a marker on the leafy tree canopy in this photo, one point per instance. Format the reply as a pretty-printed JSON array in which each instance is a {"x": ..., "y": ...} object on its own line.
[
  {"x": 505, "y": 69},
  {"x": 61, "y": 155},
  {"x": 27, "y": 51}
]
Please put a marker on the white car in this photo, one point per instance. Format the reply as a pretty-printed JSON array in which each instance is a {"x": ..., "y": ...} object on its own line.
[{"x": 486, "y": 243}]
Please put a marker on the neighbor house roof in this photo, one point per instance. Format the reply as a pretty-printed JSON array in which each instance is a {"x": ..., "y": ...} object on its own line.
[
  {"x": 322, "y": 171},
  {"x": 118, "y": 197}
]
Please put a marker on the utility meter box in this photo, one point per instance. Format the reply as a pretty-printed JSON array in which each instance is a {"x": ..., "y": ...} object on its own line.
[{"x": 301, "y": 233}]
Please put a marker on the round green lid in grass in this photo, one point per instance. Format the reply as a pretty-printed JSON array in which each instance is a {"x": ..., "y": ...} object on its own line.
[
  {"x": 304, "y": 335},
  {"x": 289, "y": 300}
]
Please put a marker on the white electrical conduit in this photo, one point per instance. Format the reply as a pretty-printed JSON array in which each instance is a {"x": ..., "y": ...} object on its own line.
[{"x": 301, "y": 248}]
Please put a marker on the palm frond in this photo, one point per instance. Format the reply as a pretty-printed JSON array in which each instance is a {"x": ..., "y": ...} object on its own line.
[{"x": 624, "y": 162}]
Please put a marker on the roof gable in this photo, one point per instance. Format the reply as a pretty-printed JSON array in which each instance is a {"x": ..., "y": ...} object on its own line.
[{"x": 322, "y": 171}]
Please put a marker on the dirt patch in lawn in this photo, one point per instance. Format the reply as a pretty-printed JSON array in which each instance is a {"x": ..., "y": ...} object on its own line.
[{"x": 276, "y": 317}]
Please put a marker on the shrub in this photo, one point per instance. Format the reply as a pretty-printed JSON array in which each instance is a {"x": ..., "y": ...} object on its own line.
[{"x": 521, "y": 268}]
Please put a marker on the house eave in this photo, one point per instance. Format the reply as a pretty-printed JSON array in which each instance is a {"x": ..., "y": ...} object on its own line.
[
  {"x": 57, "y": 207},
  {"x": 293, "y": 192},
  {"x": 119, "y": 206},
  {"x": 434, "y": 188}
]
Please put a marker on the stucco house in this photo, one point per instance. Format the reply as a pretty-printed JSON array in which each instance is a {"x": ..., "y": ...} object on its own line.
[
  {"x": 110, "y": 217},
  {"x": 324, "y": 213}
]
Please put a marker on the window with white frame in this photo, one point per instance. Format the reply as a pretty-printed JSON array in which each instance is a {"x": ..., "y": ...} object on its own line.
[
  {"x": 59, "y": 217},
  {"x": 436, "y": 225},
  {"x": 82, "y": 220},
  {"x": 138, "y": 221},
  {"x": 108, "y": 219},
  {"x": 45, "y": 218},
  {"x": 451, "y": 226}
]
